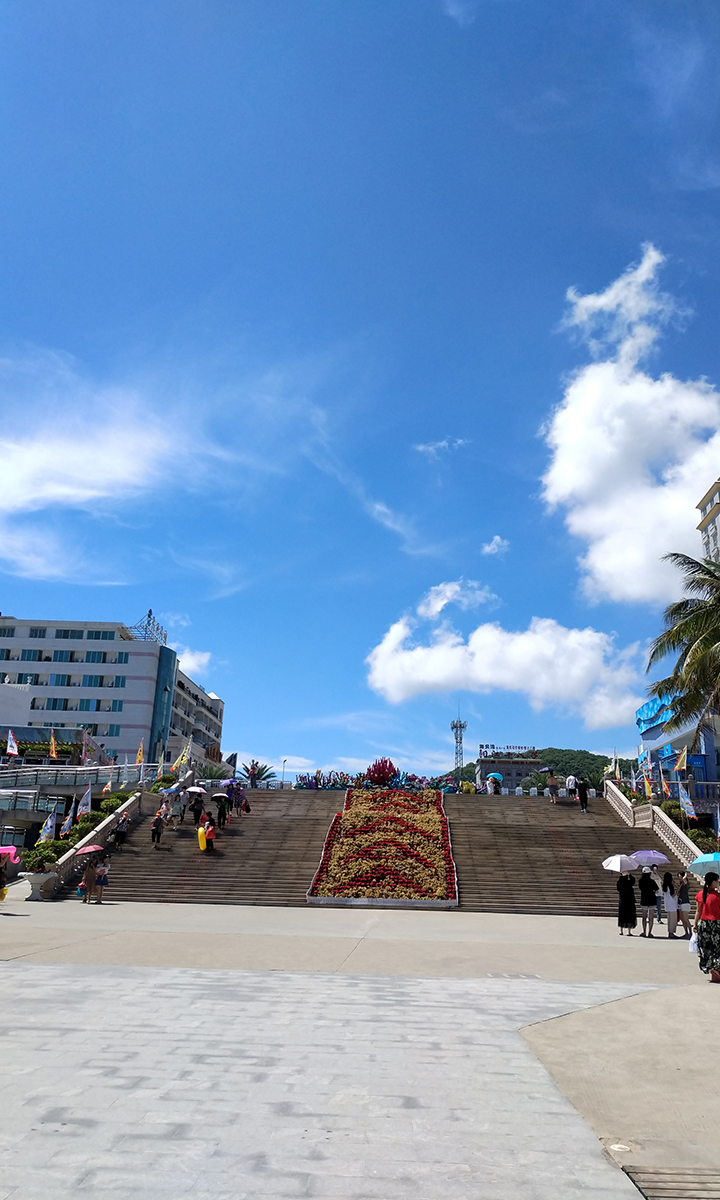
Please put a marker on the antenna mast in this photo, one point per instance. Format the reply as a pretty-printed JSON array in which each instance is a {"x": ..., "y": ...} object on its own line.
[{"x": 458, "y": 727}]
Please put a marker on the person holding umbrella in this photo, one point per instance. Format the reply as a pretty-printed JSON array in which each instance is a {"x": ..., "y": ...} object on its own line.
[
  {"x": 648, "y": 894},
  {"x": 627, "y": 912}
]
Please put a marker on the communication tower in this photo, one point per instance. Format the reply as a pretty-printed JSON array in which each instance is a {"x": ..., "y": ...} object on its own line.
[{"x": 458, "y": 727}]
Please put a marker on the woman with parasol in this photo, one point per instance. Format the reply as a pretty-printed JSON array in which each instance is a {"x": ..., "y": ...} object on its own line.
[{"x": 707, "y": 927}]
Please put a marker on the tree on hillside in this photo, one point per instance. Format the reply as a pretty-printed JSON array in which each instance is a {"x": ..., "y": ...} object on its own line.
[{"x": 692, "y": 632}]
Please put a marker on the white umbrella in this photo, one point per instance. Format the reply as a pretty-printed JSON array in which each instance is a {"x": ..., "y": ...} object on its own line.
[
  {"x": 198, "y": 791},
  {"x": 620, "y": 862}
]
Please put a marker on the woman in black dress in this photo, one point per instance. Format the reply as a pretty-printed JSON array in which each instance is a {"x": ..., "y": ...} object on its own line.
[{"x": 627, "y": 912}]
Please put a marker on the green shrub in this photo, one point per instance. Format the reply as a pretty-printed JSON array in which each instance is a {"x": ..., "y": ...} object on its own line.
[{"x": 163, "y": 782}]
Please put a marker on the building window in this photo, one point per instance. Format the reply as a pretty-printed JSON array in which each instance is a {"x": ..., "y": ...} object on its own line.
[
  {"x": 4, "y": 654},
  {"x": 120, "y": 680},
  {"x": 117, "y": 705},
  {"x": 68, "y": 633},
  {"x": 92, "y": 681},
  {"x": 92, "y": 729},
  {"x": 123, "y": 656},
  {"x": 30, "y": 655},
  {"x": 37, "y": 632},
  {"x": 27, "y": 679},
  {"x": 57, "y": 702},
  {"x": 89, "y": 706},
  {"x": 105, "y": 635},
  {"x": 7, "y": 631},
  {"x": 95, "y": 656},
  {"x": 61, "y": 655},
  {"x": 113, "y": 731},
  {"x": 59, "y": 681}
]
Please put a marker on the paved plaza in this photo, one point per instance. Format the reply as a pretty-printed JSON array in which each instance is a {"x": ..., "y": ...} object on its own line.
[{"x": 164, "y": 1050}]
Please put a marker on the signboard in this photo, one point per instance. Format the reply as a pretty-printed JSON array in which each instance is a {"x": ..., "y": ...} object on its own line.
[{"x": 490, "y": 750}]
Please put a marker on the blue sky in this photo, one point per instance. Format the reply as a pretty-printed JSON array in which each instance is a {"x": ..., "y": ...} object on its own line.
[{"x": 287, "y": 351}]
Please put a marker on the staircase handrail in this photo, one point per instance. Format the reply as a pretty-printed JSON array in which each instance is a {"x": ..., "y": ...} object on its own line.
[
  {"x": 99, "y": 835},
  {"x": 674, "y": 838},
  {"x": 619, "y": 802}
]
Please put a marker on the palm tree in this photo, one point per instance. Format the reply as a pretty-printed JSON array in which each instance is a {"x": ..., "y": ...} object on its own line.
[
  {"x": 263, "y": 772},
  {"x": 692, "y": 631}
]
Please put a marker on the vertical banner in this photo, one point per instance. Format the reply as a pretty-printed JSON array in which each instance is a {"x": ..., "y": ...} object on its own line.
[
  {"x": 12, "y": 746},
  {"x": 85, "y": 805}
]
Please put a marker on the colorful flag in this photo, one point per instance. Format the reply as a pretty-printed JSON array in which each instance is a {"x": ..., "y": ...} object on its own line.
[
  {"x": 125, "y": 774},
  {"x": 12, "y": 747},
  {"x": 53, "y": 745},
  {"x": 139, "y": 755},
  {"x": 666, "y": 785},
  {"x": 686, "y": 803},
  {"x": 85, "y": 805},
  {"x": 182, "y": 758},
  {"x": 633, "y": 780},
  {"x": 648, "y": 784},
  {"x": 47, "y": 833},
  {"x": 616, "y": 761},
  {"x": 107, "y": 787},
  {"x": 681, "y": 764},
  {"x": 83, "y": 757},
  {"x": 68, "y": 822}
]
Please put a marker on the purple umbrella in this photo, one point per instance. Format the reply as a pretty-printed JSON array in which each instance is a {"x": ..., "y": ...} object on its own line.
[{"x": 649, "y": 858}]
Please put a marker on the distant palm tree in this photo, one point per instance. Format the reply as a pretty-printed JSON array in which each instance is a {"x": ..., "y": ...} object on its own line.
[
  {"x": 692, "y": 631},
  {"x": 263, "y": 772}
]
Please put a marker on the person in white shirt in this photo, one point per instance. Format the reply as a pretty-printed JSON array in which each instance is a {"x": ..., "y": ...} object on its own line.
[{"x": 571, "y": 785}]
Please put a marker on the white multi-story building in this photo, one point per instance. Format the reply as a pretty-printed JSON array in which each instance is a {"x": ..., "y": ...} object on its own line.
[
  {"x": 121, "y": 683},
  {"x": 709, "y": 508}
]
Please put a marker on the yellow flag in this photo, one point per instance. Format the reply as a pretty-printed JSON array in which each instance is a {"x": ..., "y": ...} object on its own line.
[
  {"x": 139, "y": 755},
  {"x": 108, "y": 785},
  {"x": 681, "y": 764},
  {"x": 648, "y": 786},
  {"x": 53, "y": 745}
]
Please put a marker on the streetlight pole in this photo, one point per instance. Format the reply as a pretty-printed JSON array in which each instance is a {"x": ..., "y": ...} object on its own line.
[{"x": 282, "y": 785}]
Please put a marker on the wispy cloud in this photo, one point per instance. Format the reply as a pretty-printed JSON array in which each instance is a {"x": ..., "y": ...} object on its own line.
[
  {"x": 465, "y": 593},
  {"x": 497, "y": 545},
  {"x": 192, "y": 662},
  {"x": 436, "y": 449},
  {"x": 462, "y": 11}
]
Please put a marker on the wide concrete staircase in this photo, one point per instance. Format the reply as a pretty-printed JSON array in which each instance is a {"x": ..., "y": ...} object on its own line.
[
  {"x": 268, "y": 856},
  {"x": 524, "y": 855},
  {"x": 512, "y": 854}
]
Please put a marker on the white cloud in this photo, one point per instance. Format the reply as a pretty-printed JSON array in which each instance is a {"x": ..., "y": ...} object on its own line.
[
  {"x": 462, "y": 11},
  {"x": 631, "y": 454},
  {"x": 465, "y": 593},
  {"x": 435, "y": 449},
  {"x": 175, "y": 620},
  {"x": 498, "y": 545},
  {"x": 575, "y": 670},
  {"x": 192, "y": 662}
]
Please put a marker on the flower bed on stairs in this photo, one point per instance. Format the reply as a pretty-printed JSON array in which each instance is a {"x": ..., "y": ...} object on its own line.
[{"x": 388, "y": 848}]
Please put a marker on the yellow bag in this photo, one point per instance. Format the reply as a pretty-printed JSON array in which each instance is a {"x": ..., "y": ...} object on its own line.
[
  {"x": 202, "y": 841},
  {"x": 3, "y": 893}
]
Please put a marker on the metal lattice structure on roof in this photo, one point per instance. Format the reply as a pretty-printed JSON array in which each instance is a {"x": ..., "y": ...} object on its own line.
[{"x": 149, "y": 630}]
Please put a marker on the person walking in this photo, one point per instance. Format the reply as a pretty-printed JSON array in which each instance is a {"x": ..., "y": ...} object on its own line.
[
  {"x": 707, "y": 927},
  {"x": 183, "y": 798},
  {"x": 222, "y": 813},
  {"x": 101, "y": 879},
  {"x": 571, "y": 785},
  {"x": 89, "y": 877},
  {"x": 648, "y": 894},
  {"x": 252, "y": 773},
  {"x": 121, "y": 830},
  {"x": 553, "y": 784},
  {"x": 176, "y": 810},
  {"x": 627, "y": 912},
  {"x": 683, "y": 902},
  {"x": 156, "y": 828},
  {"x": 210, "y": 834},
  {"x": 239, "y": 797},
  {"x": 196, "y": 809},
  {"x": 658, "y": 895},
  {"x": 582, "y": 791},
  {"x": 670, "y": 903}
]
